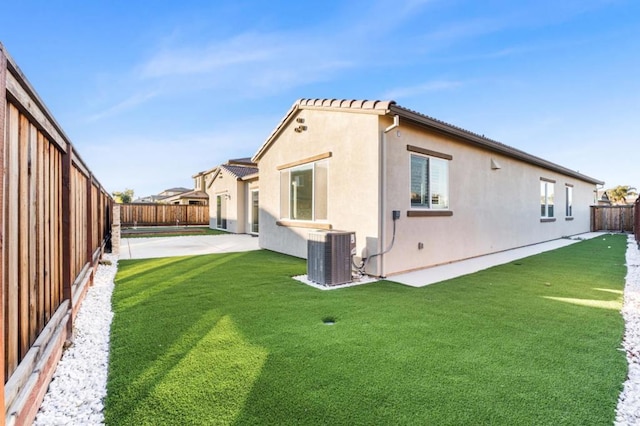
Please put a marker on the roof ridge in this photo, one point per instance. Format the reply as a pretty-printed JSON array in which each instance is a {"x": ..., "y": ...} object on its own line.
[{"x": 346, "y": 103}]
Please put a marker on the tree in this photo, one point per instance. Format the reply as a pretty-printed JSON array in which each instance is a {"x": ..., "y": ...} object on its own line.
[
  {"x": 123, "y": 197},
  {"x": 619, "y": 194}
]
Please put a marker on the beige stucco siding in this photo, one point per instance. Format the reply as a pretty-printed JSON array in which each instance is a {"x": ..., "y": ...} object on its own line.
[
  {"x": 249, "y": 187},
  {"x": 493, "y": 209},
  {"x": 227, "y": 186},
  {"x": 494, "y": 199},
  {"x": 352, "y": 139}
]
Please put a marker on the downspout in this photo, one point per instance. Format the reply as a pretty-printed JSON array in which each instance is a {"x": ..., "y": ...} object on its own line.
[{"x": 383, "y": 192}]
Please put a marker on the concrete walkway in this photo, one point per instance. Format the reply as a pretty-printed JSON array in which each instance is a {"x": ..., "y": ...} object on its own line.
[
  {"x": 424, "y": 277},
  {"x": 147, "y": 248}
]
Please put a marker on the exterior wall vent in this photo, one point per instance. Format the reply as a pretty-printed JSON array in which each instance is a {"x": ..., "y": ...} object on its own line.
[{"x": 329, "y": 255}]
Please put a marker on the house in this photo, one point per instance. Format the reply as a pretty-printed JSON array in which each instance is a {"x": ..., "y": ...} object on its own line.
[
  {"x": 603, "y": 198},
  {"x": 416, "y": 191},
  {"x": 177, "y": 195},
  {"x": 233, "y": 190},
  {"x": 190, "y": 197}
]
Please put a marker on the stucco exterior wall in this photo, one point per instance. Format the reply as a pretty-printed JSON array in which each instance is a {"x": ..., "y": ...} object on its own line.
[
  {"x": 493, "y": 209},
  {"x": 250, "y": 186},
  {"x": 227, "y": 186},
  {"x": 353, "y": 140}
]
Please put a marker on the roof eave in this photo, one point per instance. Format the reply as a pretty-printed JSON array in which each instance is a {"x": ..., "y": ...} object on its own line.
[
  {"x": 252, "y": 176},
  {"x": 267, "y": 144},
  {"x": 486, "y": 143}
]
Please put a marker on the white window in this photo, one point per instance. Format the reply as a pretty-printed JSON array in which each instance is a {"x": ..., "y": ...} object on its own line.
[
  {"x": 568, "y": 190},
  {"x": 547, "y": 196},
  {"x": 429, "y": 182},
  {"x": 303, "y": 192}
]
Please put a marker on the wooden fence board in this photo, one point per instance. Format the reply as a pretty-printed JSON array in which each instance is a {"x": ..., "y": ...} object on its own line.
[
  {"x": 612, "y": 218},
  {"x": 41, "y": 268},
  {"x": 23, "y": 242},
  {"x": 11, "y": 241},
  {"x": 163, "y": 215},
  {"x": 32, "y": 235}
]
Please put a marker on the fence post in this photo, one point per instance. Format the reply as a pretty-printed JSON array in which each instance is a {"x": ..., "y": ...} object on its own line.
[
  {"x": 115, "y": 230},
  {"x": 89, "y": 247},
  {"x": 636, "y": 219},
  {"x": 67, "y": 279},
  {"x": 3, "y": 104}
]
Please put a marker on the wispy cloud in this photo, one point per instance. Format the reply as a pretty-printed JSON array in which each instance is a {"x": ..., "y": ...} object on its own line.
[
  {"x": 420, "y": 89},
  {"x": 256, "y": 63},
  {"x": 127, "y": 104},
  {"x": 242, "y": 50}
]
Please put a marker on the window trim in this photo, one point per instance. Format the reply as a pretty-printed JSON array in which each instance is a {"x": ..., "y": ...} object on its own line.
[
  {"x": 311, "y": 163},
  {"x": 546, "y": 217},
  {"x": 313, "y": 159},
  {"x": 429, "y": 213},
  {"x": 421, "y": 153},
  {"x": 428, "y": 152},
  {"x": 568, "y": 201}
]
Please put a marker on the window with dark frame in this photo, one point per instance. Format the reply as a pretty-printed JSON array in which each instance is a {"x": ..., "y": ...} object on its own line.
[{"x": 429, "y": 182}]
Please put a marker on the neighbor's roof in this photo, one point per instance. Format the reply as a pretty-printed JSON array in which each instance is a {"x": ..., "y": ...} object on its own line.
[
  {"x": 239, "y": 171},
  {"x": 177, "y": 189},
  {"x": 245, "y": 161},
  {"x": 390, "y": 108},
  {"x": 187, "y": 194},
  {"x": 205, "y": 172}
]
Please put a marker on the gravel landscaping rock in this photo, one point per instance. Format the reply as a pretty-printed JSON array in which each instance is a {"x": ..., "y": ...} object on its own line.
[
  {"x": 79, "y": 386},
  {"x": 628, "y": 411}
]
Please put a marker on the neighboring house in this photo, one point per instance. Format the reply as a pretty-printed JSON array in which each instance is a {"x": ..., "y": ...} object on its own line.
[
  {"x": 183, "y": 196},
  {"x": 189, "y": 197},
  {"x": 603, "y": 198},
  {"x": 148, "y": 199},
  {"x": 177, "y": 196},
  {"x": 171, "y": 192},
  {"x": 349, "y": 165},
  {"x": 233, "y": 191}
]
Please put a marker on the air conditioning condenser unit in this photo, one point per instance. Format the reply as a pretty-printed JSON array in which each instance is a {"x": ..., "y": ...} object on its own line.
[{"x": 329, "y": 257}]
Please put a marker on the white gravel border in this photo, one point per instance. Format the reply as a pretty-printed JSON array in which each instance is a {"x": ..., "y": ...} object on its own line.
[
  {"x": 77, "y": 391},
  {"x": 79, "y": 385},
  {"x": 628, "y": 411}
]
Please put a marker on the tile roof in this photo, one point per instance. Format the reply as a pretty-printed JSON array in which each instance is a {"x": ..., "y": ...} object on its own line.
[
  {"x": 346, "y": 103},
  {"x": 239, "y": 171},
  {"x": 245, "y": 161},
  {"x": 177, "y": 189}
]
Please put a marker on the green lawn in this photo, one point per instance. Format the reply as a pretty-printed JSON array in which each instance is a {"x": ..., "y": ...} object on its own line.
[
  {"x": 169, "y": 231},
  {"x": 232, "y": 339}
]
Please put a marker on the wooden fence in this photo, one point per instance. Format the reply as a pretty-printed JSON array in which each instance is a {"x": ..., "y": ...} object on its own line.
[
  {"x": 163, "y": 215},
  {"x": 613, "y": 218},
  {"x": 55, "y": 220}
]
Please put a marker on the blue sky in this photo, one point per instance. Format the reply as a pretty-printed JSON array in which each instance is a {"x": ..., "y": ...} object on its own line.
[{"x": 152, "y": 92}]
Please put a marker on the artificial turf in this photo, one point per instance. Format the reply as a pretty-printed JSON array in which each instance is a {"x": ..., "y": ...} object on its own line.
[
  {"x": 169, "y": 231},
  {"x": 232, "y": 339}
]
